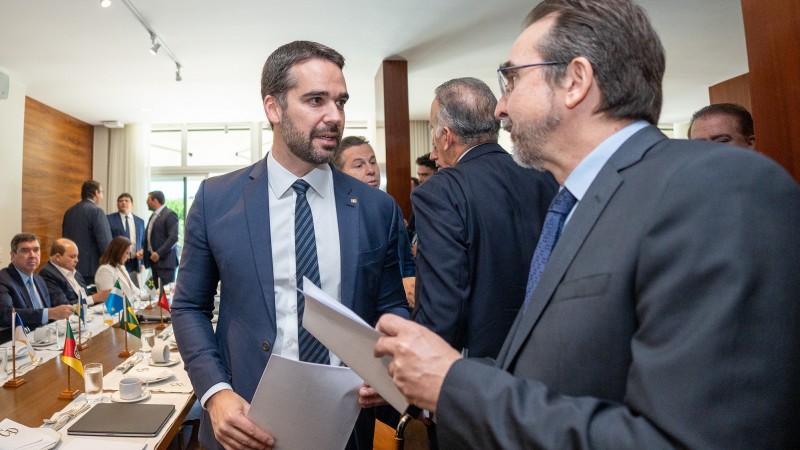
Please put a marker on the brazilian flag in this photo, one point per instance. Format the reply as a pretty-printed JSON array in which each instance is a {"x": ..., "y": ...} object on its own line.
[{"x": 129, "y": 321}]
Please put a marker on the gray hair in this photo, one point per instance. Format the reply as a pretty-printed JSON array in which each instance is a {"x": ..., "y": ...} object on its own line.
[
  {"x": 466, "y": 106},
  {"x": 619, "y": 41}
]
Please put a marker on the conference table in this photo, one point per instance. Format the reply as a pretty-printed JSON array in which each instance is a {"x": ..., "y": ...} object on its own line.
[{"x": 37, "y": 399}]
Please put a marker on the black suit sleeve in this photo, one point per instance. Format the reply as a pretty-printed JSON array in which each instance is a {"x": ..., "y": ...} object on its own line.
[
  {"x": 443, "y": 272},
  {"x": 55, "y": 289},
  {"x": 100, "y": 229}
]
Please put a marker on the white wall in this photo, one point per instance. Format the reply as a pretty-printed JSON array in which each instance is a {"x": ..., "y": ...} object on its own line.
[{"x": 12, "y": 126}]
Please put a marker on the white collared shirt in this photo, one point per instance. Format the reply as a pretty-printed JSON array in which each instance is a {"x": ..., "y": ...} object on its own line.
[
  {"x": 70, "y": 276},
  {"x": 322, "y": 202}
]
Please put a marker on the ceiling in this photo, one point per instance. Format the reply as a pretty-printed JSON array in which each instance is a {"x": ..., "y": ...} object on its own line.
[{"x": 93, "y": 63}]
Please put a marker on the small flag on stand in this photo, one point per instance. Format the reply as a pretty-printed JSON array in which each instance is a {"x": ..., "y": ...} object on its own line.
[
  {"x": 80, "y": 308},
  {"x": 20, "y": 336},
  {"x": 114, "y": 302},
  {"x": 131, "y": 323},
  {"x": 150, "y": 283},
  {"x": 70, "y": 355},
  {"x": 163, "y": 302}
]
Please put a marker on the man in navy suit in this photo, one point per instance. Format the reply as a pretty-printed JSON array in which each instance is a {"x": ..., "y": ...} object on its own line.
[
  {"x": 20, "y": 288},
  {"x": 664, "y": 295},
  {"x": 85, "y": 224},
  {"x": 241, "y": 232},
  {"x": 160, "y": 247},
  {"x": 125, "y": 223},
  {"x": 477, "y": 221},
  {"x": 65, "y": 284}
]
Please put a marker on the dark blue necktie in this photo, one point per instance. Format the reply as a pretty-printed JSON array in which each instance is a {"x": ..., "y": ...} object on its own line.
[
  {"x": 553, "y": 223},
  {"x": 305, "y": 250}
]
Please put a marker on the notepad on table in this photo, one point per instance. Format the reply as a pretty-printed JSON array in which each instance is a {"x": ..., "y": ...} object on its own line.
[{"x": 123, "y": 419}]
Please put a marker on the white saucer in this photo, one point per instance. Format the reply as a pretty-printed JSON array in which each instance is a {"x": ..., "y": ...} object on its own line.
[
  {"x": 116, "y": 398},
  {"x": 37, "y": 344},
  {"x": 169, "y": 363}
]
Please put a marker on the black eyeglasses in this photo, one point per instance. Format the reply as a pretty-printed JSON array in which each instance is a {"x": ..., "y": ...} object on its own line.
[{"x": 507, "y": 83}]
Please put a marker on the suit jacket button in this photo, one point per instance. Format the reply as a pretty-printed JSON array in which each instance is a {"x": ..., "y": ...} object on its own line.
[{"x": 265, "y": 346}]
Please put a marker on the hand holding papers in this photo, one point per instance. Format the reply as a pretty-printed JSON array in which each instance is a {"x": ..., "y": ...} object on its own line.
[{"x": 351, "y": 339}]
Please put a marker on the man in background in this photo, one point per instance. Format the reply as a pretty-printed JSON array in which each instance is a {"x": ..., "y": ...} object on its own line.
[
  {"x": 125, "y": 223},
  {"x": 85, "y": 224},
  {"x": 257, "y": 231},
  {"x": 477, "y": 222},
  {"x": 727, "y": 123},
  {"x": 64, "y": 284},
  {"x": 663, "y": 304},
  {"x": 426, "y": 167},
  {"x": 356, "y": 158},
  {"x": 22, "y": 289},
  {"x": 160, "y": 247}
]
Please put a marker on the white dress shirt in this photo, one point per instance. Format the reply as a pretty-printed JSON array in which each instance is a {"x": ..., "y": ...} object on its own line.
[
  {"x": 70, "y": 276},
  {"x": 131, "y": 230}
]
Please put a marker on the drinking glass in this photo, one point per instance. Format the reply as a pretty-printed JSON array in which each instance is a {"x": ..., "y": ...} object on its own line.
[
  {"x": 148, "y": 339},
  {"x": 93, "y": 381}
]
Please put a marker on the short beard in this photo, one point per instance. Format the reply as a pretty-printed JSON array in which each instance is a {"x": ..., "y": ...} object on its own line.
[
  {"x": 303, "y": 147},
  {"x": 531, "y": 138}
]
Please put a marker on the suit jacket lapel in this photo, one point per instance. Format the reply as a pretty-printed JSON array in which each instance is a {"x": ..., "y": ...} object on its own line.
[
  {"x": 20, "y": 285},
  {"x": 347, "y": 215},
  {"x": 256, "y": 207},
  {"x": 584, "y": 217}
]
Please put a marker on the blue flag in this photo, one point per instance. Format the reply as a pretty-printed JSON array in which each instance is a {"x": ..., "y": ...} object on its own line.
[
  {"x": 114, "y": 302},
  {"x": 80, "y": 308}
]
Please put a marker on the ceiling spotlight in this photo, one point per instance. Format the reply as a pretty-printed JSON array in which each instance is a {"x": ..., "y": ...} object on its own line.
[
  {"x": 178, "y": 72},
  {"x": 105, "y": 3},
  {"x": 156, "y": 44}
]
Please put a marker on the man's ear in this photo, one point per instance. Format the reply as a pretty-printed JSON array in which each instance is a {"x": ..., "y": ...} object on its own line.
[
  {"x": 272, "y": 109},
  {"x": 448, "y": 137},
  {"x": 578, "y": 81}
]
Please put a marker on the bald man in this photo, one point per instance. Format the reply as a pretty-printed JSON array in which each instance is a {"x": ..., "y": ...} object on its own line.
[{"x": 64, "y": 284}]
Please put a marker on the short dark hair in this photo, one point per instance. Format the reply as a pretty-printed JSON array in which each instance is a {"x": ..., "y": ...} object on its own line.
[
  {"x": 125, "y": 195},
  {"x": 425, "y": 160},
  {"x": 157, "y": 196},
  {"x": 349, "y": 141},
  {"x": 738, "y": 112},
  {"x": 89, "y": 189},
  {"x": 115, "y": 250},
  {"x": 619, "y": 41},
  {"x": 21, "y": 238},
  {"x": 276, "y": 77},
  {"x": 466, "y": 106}
]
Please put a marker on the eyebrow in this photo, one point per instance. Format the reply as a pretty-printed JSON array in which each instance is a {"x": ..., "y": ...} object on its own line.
[
  {"x": 723, "y": 135},
  {"x": 506, "y": 64},
  {"x": 310, "y": 94}
]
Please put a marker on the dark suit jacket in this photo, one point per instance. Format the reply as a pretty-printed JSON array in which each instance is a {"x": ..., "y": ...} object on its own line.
[
  {"x": 666, "y": 316},
  {"x": 164, "y": 237},
  {"x": 227, "y": 239},
  {"x": 118, "y": 229},
  {"x": 477, "y": 226},
  {"x": 13, "y": 293},
  {"x": 86, "y": 224},
  {"x": 61, "y": 293}
]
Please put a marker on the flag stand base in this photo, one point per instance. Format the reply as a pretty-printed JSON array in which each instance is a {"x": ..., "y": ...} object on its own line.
[
  {"x": 67, "y": 394},
  {"x": 160, "y": 326},
  {"x": 83, "y": 346},
  {"x": 125, "y": 353},
  {"x": 15, "y": 382}
]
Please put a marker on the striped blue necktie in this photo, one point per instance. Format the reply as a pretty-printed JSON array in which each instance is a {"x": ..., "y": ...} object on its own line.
[
  {"x": 551, "y": 230},
  {"x": 305, "y": 250}
]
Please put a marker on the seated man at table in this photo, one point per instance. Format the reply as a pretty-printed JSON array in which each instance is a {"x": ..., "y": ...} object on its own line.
[
  {"x": 64, "y": 284},
  {"x": 20, "y": 288}
]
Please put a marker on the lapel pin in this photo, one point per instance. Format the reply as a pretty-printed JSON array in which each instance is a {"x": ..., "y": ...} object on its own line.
[{"x": 354, "y": 200}]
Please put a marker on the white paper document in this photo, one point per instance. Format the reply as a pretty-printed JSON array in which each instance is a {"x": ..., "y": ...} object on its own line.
[
  {"x": 306, "y": 406},
  {"x": 351, "y": 339}
]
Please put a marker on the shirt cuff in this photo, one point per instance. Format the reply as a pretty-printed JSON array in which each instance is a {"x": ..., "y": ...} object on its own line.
[
  {"x": 213, "y": 390},
  {"x": 44, "y": 316}
]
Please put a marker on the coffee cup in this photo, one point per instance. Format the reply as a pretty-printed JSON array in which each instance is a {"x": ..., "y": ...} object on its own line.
[
  {"x": 44, "y": 334},
  {"x": 131, "y": 388},
  {"x": 160, "y": 353}
]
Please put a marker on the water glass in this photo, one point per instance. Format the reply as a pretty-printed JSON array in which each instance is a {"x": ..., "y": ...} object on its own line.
[
  {"x": 148, "y": 339},
  {"x": 93, "y": 381},
  {"x": 3, "y": 362}
]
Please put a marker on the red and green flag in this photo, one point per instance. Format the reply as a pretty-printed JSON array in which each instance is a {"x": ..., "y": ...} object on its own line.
[
  {"x": 70, "y": 355},
  {"x": 163, "y": 302}
]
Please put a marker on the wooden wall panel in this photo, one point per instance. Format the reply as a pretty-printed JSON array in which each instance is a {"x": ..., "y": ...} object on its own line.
[
  {"x": 773, "y": 53},
  {"x": 56, "y": 160},
  {"x": 391, "y": 95},
  {"x": 736, "y": 90}
]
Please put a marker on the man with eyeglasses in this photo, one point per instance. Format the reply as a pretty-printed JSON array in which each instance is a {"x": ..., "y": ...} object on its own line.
[
  {"x": 662, "y": 304},
  {"x": 85, "y": 224}
]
